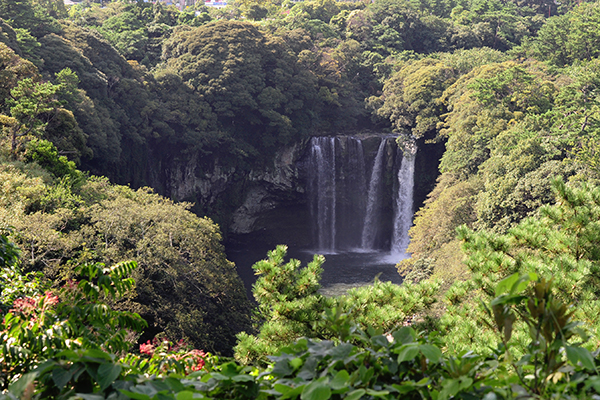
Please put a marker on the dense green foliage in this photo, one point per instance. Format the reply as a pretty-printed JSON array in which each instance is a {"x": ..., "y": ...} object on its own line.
[
  {"x": 140, "y": 92},
  {"x": 153, "y": 90},
  {"x": 356, "y": 364},
  {"x": 567, "y": 255},
  {"x": 290, "y": 306},
  {"x": 185, "y": 288}
]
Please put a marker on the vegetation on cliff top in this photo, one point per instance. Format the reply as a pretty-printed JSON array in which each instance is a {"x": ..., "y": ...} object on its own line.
[{"x": 510, "y": 88}]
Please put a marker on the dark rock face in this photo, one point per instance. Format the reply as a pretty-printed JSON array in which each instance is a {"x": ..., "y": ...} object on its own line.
[{"x": 273, "y": 203}]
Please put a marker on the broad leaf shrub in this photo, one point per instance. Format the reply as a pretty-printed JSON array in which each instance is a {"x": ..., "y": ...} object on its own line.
[
  {"x": 542, "y": 351},
  {"x": 13, "y": 283},
  {"x": 551, "y": 330},
  {"x": 40, "y": 327},
  {"x": 370, "y": 364},
  {"x": 160, "y": 356},
  {"x": 70, "y": 340}
]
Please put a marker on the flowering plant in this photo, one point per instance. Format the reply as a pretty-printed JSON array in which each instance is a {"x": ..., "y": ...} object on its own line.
[
  {"x": 160, "y": 356},
  {"x": 40, "y": 326}
]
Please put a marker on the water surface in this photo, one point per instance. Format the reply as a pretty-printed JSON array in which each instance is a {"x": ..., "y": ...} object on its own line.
[{"x": 342, "y": 270}]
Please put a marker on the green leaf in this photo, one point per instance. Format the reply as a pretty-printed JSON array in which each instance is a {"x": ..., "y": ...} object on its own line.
[
  {"x": 141, "y": 392},
  {"x": 408, "y": 352},
  {"x": 522, "y": 283},
  {"x": 242, "y": 378},
  {"x": 283, "y": 389},
  {"x": 185, "y": 395},
  {"x": 432, "y": 353},
  {"x": 134, "y": 395},
  {"x": 61, "y": 376},
  {"x": 450, "y": 388},
  {"x": 404, "y": 335},
  {"x": 380, "y": 341},
  {"x": 96, "y": 355},
  {"x": 107, "y": 373},
  {"x": 506, "y": 284},
  {"x": 465, "y": 383},
  {"x": 341, "y": 351},
  {"x": 282, "y": 368},
  {"x": 377, "y": 393},
  {"x": 405, "y": 387},
  {"x": 490, "y": 396},
  {"x": 292, "y": 394},
  {"x": 296, "y": 362},
  {"x": 174, "y": 384},
  {"x": 356, "y": 394},
  {"x": 229, "y": 369},
  {"x": 17, "y": 388},
  {"x": 87, "y": 396},
  {"x": 575, "y": 354},
  {"x": 220, "y": 377},
  {"x": 340, "y": 380},
  {"x": 316, "y": 390}
]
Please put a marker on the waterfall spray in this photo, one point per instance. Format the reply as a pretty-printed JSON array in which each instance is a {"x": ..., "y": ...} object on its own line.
[
  {"x": 373, "y": 198},
  {"x": 347, "y": 209},
  {"x": 404, "y": 199},
  {"x": 322, "y": 189}
]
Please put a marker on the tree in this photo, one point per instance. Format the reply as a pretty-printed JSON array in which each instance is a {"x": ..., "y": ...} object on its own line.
[
  {"x": 569, "y": 256},
  {"x": 562, "y": 46},
  {"x": 28, "y": 102},
  {"x": 483, "y": 103},
  {"x": 290, "y": 306},
  {"x": 186, "y": 287},
  {"x": 27, "y": 14},
  {"x": 410, "y": 98},
  {"x": 39, "y": 326},
  {"x": 251, "y": 80},
  {"x": 13, "y": 69}
]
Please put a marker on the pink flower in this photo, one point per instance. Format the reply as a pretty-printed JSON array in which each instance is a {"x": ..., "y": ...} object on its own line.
[
  {"x": 51, "y": 299},
  {"x": 147, "y": 348},
  {"x": 199, "y": 365},
  {"x": 24, "y": 306}
]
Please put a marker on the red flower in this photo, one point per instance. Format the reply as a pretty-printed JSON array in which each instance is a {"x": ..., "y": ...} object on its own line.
[
  {"x": 25, "y": 305},
  {"x": 51, "y": 299},
  {"x": 147, "y": 348},
  {"x": 199, "y": 365}
]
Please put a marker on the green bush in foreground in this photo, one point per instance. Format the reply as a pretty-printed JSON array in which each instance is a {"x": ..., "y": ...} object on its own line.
[
  {"x": 358, "y": 364},
  {"x": 290, "y": 306},
  {"x": 80, "y": 353}
]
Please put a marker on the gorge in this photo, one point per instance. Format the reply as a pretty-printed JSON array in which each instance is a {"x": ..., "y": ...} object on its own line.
[{"x": 353, "y": 202}]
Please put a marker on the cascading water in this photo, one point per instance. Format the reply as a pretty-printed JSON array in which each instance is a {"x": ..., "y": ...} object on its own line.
[
  {"x": 404, "y": 200},
  {"x": 349, "y": 215},
  {"x": 373, "y": 197},
  {"x": 322, "y": 191},
  {"x": 359, "y": 194}
]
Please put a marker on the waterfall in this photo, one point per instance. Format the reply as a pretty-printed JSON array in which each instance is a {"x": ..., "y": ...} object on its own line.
[
  {"x": 351, "y": 186},
  {"x": 373, "y": 199},
  {"x": 322, "y": 191},
  {"x": 404, "y": 200},
  {"x": 354, "y": 207}
]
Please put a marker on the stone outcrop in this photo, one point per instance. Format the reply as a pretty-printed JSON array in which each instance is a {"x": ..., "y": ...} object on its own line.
[
  {"x": 191, "y": 179},
  {"x": 271, "y": 193},
  {"x": 269, "y": 202}
]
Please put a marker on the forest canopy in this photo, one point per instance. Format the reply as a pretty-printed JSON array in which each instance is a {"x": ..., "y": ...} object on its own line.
[{"x": 103, "y": 107}]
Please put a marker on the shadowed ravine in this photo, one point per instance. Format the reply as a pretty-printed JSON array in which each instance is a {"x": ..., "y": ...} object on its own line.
[{"x": 359, "y": 194}]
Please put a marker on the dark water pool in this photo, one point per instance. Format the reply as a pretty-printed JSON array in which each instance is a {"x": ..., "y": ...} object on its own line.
[{"x": 341, "y": 271}]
